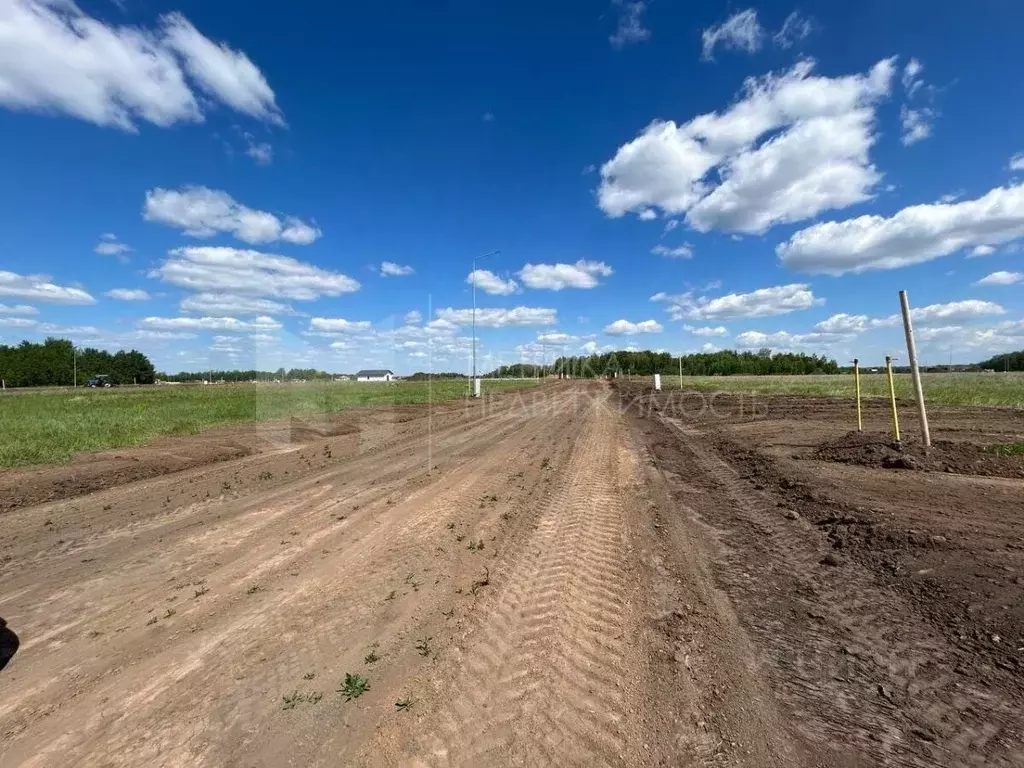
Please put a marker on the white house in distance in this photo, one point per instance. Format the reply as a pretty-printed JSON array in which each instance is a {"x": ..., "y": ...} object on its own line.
[{"x": 374, "y": 375}]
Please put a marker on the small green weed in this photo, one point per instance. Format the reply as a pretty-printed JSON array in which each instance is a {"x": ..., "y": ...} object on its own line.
[
  {"x": 480, "y": 583},
  {"x": 354, "y": 686}
]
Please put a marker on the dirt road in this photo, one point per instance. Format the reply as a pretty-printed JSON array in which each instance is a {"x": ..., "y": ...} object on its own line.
[{"x": 555, "y": 577}]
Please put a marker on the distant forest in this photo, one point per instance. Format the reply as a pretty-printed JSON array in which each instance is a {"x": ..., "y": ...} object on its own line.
[
  {"x": 1011, "y": 361},
  {"x": 724, "y": 363},
  {"x": 53, "y": 364}
]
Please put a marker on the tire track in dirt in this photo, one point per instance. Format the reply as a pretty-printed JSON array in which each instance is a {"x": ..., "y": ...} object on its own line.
[
  {"x": 544, "y": 675},
  {"x": 917, "y": 711}
]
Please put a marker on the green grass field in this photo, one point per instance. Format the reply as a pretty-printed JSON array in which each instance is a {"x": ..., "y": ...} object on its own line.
[
  {"x": 1003, "y": 389},
  {"x": 51, "y": 426}
]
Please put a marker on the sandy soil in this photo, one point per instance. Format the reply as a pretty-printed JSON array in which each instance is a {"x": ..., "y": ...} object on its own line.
[{"x": 573, "y": 575}]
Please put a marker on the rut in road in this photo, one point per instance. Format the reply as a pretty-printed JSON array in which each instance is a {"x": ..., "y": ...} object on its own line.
[{"x": 546, "y": 672}]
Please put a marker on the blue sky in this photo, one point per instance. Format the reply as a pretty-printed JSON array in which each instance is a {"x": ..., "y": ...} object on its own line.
[{"x": 228, "y": 185}]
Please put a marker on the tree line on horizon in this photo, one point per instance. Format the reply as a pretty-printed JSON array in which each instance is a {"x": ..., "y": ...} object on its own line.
[
  {"x": 56, "y": 362},
  {"x": 726, "y": 362},
  {"x": 52, "y": 363}
]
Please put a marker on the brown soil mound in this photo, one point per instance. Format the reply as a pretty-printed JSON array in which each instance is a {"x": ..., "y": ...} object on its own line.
[{"x": 872, "y": 449}]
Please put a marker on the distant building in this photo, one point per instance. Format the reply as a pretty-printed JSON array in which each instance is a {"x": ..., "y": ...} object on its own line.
[{"x": 374, "y": 375}]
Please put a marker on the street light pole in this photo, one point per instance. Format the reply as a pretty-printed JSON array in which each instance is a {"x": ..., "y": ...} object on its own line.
[{"x": 472, "y": 276}]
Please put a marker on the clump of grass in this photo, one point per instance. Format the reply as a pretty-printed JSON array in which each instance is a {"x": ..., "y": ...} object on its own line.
[
  {"x": 423, "y": 646},
  {"x": 391, "y": 595},
  {"x": 1009, "y": 449},
  {"x": 403, "y": 704},
  {"x": 253, "y": 589},
  {"x": 309, "y": 676},
  {"x": 475, "y": 546},
  {"x": 201, "y": 591},
  {"x": 354, "y": 686},
  {"x": 371, "y": 657},
  {"x": 293, "y": 699}
]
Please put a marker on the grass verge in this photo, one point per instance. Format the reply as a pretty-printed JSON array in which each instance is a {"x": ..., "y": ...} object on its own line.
[
  {"x": 1001, "y": 389},
  {"x": 50, "y": 427}
]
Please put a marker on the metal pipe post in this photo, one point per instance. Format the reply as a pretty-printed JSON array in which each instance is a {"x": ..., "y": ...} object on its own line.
[
  {"x": 856, "y": 386},
  {"x": 892, "y": 399},
  {"x": 915, "y": 373}
]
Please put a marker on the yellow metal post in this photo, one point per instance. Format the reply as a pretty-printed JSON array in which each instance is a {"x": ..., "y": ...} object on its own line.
[
  {"x": 892, "y": 398},
  {"x": 856, "y": 386}
]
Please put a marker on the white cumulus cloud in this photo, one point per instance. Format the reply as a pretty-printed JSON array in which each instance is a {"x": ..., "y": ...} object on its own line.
[
  {"x": 630, "y": 27},
  {"x": 555, "y": 277},
  {"x": 338, "y": 325},
  {"x": 764, "y": 302},
  {"x": 231, "y": 304},
  {"x": 815, "y": 134},
  {"x": 245, "y": 272},
  {"x": 210, "y": 324},
  {"x": 39, "y": 288},
  {"x": 911, "y": 236},
  {"x": 911, "y": 77},
  {"x": 627, "y": 328},
  {"x": 1002, "y": 278},
  {"x": 203, "y": 212},
  {"x": 391, "y": 269},
  {"x": 226, "y": 75},
  {"x": 488, "y": 282},
  {"x": 916, "y": 124},
  {"x": 128, "y": 294},
  {"x": 17, "y": 309},
  {"x": 787, "y": 340},
  {"x": 17, "y": 322},
  {"x": 684, "y": 251},
  {"x": 741, "y": 31},
  {"x": 261, "y": 152},
  {"x": 56, "y": 58},
  {"x": 706, "y": 330},
  {"x": 109, "y": 246},
  {"x": 518, "y": 317},
  {"x": 794, "y": 29}
]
